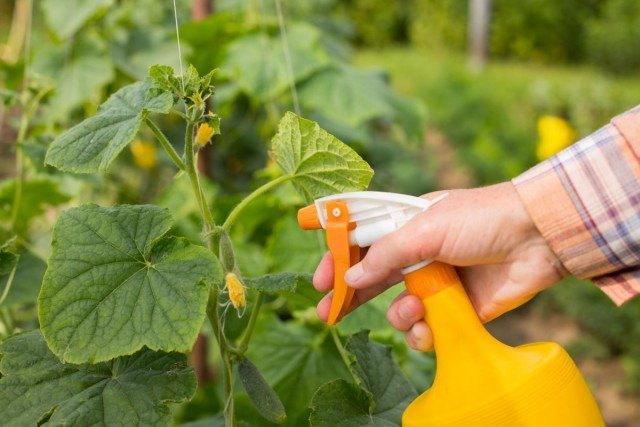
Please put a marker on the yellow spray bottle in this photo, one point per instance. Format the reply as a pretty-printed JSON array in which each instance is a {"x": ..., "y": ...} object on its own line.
[{"x": 479, "y": 380}]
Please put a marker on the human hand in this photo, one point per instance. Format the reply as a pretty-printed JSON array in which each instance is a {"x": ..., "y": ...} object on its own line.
[{"x": 502, "y": 258}]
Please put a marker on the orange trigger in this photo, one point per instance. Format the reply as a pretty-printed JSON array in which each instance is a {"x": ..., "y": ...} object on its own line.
[{"x": 344, "y": 256}]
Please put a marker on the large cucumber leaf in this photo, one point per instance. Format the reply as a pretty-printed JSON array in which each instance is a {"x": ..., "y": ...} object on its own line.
[
  {"x": 37, "y": 388},
  {"x": 115, "y": 283}
]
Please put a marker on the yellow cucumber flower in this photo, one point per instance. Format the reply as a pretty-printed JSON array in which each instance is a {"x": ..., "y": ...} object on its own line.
[
  {"x": 555, "y": 134},
  {"x": 236, "y": 290},
  {"x": 204, "y": 134},
  {"x": 208, "y": 128},
  {"x": 144, "y": 154}
]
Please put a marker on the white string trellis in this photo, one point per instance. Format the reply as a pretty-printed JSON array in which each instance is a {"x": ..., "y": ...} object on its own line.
[
  {"x": 287, "y": 57},
  {"x": 175, "y": 16}
]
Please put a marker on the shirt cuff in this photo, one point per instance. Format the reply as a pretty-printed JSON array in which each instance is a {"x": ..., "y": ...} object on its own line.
[{"x": 585, "y": 201}]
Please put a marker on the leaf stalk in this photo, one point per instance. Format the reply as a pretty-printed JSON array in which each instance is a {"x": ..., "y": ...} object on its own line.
[
  {"x": 165, "y": 144},
  {"x": 251, "y": 197}
]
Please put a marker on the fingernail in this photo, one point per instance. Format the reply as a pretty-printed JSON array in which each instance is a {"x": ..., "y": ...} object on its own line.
[{"x": 354, "y": 273}]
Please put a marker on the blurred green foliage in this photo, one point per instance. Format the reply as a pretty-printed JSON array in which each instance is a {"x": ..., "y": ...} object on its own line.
[
  {"x": 439, "y": 24},
  {"x": 540, "y": 30},
  {"x": 613, "y": 39},
  {"x": 616, "y": 330},
  {"x": 603, "y": 32},
  {"x": 378, "y": 22},
  {"x": 491, "y": 117}
]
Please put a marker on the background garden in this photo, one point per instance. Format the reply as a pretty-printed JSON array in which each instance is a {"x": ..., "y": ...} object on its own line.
[{"x": 393, "y": 80}]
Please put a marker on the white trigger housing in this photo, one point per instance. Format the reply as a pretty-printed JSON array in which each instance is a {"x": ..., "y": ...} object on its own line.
[{"x": 375, "y": 213}]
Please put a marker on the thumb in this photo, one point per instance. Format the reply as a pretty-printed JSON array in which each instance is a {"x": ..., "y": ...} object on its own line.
[{"x": 412, "y": 243}]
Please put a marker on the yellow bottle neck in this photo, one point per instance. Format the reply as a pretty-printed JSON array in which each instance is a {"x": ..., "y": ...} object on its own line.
[{"x": 461, "y": 341}]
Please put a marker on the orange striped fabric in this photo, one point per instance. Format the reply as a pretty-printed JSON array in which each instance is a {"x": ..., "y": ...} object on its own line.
[{"x": 585, "y": 201}]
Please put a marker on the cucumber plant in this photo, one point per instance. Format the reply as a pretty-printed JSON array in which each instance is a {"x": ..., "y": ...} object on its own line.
[{"x": 124, "y": 298}]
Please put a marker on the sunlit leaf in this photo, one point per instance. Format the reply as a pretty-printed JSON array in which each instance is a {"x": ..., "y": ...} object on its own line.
[{"x": 318, "y": 162}]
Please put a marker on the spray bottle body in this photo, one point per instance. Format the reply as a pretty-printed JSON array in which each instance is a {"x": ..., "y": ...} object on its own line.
[{"x": 483, "y": 382}]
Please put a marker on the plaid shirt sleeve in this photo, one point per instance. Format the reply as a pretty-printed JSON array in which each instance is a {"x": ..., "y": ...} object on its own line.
[{"x": 586, "y": 203}]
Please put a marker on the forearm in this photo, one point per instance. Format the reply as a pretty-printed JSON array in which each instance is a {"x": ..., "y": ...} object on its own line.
[{"x": 586, "y": 202}]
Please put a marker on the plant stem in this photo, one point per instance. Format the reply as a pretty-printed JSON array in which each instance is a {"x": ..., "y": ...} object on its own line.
[
  {"x": 251, "y": 197},
  {"x": 7, "y": 321},
  {"x": 195, "y": 180},
  {"x": 212, "y": 304},
  {"x": 343, "y": 353},
  {"x": 244, "y": 342},
  {"x": 229, "y": 420},
  {"x": 21, "y": 174},
  {"x": 165, "y": 144},
  {"x": 7, "y": 286}
]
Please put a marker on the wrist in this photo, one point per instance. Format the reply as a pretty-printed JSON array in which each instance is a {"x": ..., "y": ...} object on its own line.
[{"x": 523, "y": 225}]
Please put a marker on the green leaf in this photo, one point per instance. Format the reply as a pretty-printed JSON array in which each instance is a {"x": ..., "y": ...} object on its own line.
[
  {"x": 295, "y": 359},
  {"x": 319, "y": 163},
  {"x": 379, "y": 398},
  {"x": 8, "y": 262},
  {"x": 209, "y": 38},
  {"x": 340, "y": 403},
  {"x": 291, "y": 248},
  {"x": 278, "y": 283},
  {"x": 8, "y": 259},
  {"x": 257, "y": 62},
  {"x": 372, "y": 315},
  {"x": 37, "y": 195},
  {"x": 217, "y": 421},
  {"x": 65, "y": 17},
  {"x": 184, "y": 208},
  {"x": 164, "y": 78},
  {"x": 115, "y": 283},
  {"x": 262, "y": 395},
  {"x": 131, "y": 390},
  {"x": 145, "y": 42},
  {"x": 348, "y": 95},
  {"x": 26, "y": 281},
  {"x": 188, "y": 85},
  {"x": 80, "y": 68},
  {"x": 93, "y": 144}
]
